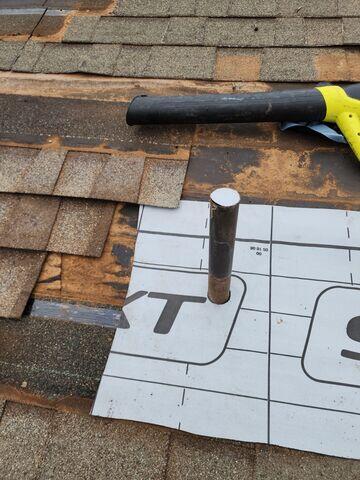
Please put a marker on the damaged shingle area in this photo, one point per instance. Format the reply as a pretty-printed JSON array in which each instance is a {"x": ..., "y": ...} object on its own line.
[{"x": 187, "y": 39}]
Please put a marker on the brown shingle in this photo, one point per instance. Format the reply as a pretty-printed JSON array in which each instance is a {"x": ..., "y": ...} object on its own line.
[
  {"x": 79, "y": 173},
  {"x": 19, "y": 271},
  {"x": 81, "y": 227},
  {"x": 114, "y": 177},
  {"x": 162, "y": 182},
  {"x": 120, "y": 179},
  {"x": 26, "y": 221},
  {"x": 29, "y": 170}
]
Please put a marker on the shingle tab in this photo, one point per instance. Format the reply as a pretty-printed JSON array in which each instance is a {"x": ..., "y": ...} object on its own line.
[
  {"x": 19, "y": 271},
  {"x": 290, "y": 32},
  {"x": 181, "y": 62},
  {"x": 59, "y": 58},
  {"x": 239, "y": 32},
  {"x": 81, "y": 29},
  {"x": 26, "y": 221},
  {"x": 324, "y": 32},
  {"x": 156, "y": 189},
  {"x": 185, "y": 31},
  {"x": 28, "y": 57},
  {"x": 352, "y": 31},
  {"x": 281, "y": 64},
  {"x": 29, "y": 170},
  {"x": 256, "y": 8},
  {"x": 79, "y": 173},
  {"x": 19, "y": 22},
  {"x": 138, "y": 31},
  {"x": 9, "y": 53},
  {"x": 143, "y": 8},
  {"x": 81, "y": 227},
  {"x": 120, "y": 180}
]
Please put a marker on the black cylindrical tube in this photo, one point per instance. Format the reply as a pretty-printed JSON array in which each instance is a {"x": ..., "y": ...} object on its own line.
[
  {"x": 291, "y": 105},
  {"x": 224, "y": 209}
]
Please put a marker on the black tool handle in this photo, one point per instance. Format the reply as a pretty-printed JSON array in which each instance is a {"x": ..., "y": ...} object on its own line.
[{"x": 276, "y": 106}]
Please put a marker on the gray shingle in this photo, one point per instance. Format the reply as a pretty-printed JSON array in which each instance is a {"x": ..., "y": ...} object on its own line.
[
  {"x": 133, "y": 31},
  {"x": 81, "y": 29},
  {"x": 143, "y": 8},
  {"x": 348, "y": 8},
  {"x": 209, "y": 8},
  {"x": 83, "y": 447},
  {"x": 132, "y": 61},
  {"x": 351, "y": 31},
  {"x": 301, "y": 8},
  {"x": 181, "y": 62},
  {"x": 323, "y": 32},
  {"x": 19, "y": 22},
  {"x": 185, "y": 31},
  {"x": 290, "y": 32},
  {"x": 283, "y": 65},
  {"x": 24, "y": 432},
  {"x": 233, "y": 32},
  {"x": 28, "y": 57},
  {"x": 194, "y": 458},
  {"x": 99, "y": 59},
  {"x": 285, "y": 464},
  {"x": 60, "y": 58},
  {"x": 9, "y": 52},
  {"x": 255, "y": 8},
  {"x": 183, "y": 7}
]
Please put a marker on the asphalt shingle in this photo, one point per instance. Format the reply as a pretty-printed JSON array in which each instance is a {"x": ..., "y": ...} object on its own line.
[
  {"x": 162, "y": 182},
  {"x": 285, "y": 464},
  {"x": 132, "y": 61},
  {"x": 140, "y": 31},
  {"x": 209, "y": 8},
  {"x": 29, "y": 170},
  {"x": 185, "y": 31},
  {"x": 348, "y": 8},
  {"x": 239, "y": 32},
  {"x": 19, "y": 271},
  {"x": 24, "y": 432},
  {"x": 82, "y": 447},
  {"x": 181, "y": 62},
  {"x": 261, "y": 8},
  {"x": 301, "y": 8},
  {"x": 290, "y": 32},
  {"x": 351, "y": 31},
  {"x": 19, "y": 22},
  {"x": 9, "y": 53},
  {"x": 282, "y": 64},
  {"x": 194, "y": 458},
  {"x": 99, "y": 59},
  {"x": 60, "y": 58},
  {"x": 81, "y": 29},
  {"x": 28, "y": 57},
  {"x": 324, "y": 33},
  {"x": 26, "y": 221},
  {"x": 81, "y": 227},
  {"x": 143, "y": 8}
]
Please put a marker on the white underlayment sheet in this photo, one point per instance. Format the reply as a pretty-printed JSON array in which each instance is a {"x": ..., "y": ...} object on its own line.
[{"x": 278, "y": 364}]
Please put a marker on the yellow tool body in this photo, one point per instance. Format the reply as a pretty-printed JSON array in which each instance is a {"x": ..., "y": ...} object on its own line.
[{"x": 345, "y": 112}]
